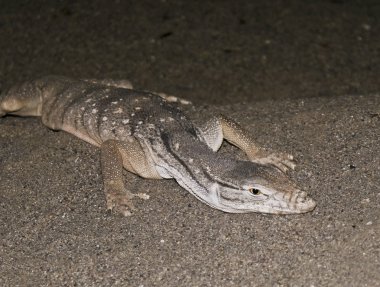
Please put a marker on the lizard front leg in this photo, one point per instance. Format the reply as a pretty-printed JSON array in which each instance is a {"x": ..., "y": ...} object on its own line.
[
  {"x": 114, "y": 156},
  {"x": 221, "y": 127}
]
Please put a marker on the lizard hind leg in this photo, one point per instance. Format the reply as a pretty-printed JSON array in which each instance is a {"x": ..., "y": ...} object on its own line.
[{"x": 114, "y": 156}]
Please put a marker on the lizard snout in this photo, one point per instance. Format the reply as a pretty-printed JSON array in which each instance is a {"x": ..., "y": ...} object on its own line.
[{"x": 303, "y": 203}]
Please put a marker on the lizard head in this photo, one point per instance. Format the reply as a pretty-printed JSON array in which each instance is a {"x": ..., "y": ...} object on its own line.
[{"x": 250, "y": 187}]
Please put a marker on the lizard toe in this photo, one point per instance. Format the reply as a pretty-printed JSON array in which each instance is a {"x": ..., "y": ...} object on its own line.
[
  {"x": 124, "y": 210},
  {"x": 120, "y": 203},
  {"x": 282, "y": 161}
]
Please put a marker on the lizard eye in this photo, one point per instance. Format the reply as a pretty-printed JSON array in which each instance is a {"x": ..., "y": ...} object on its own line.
[{"x": 255, "y": 191}]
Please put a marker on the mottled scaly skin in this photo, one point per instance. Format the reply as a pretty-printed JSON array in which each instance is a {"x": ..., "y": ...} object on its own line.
[
  {"x": 99, "y": 113},
  {"x": 149, "y": 136}
]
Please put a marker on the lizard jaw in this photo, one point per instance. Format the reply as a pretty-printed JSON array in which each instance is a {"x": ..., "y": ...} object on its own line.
[
  {"x": 300, "y": 204},
  {"x": 274, "y": 202}
]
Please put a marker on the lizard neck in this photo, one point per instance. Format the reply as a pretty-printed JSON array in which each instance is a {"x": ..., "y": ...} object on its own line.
[{"x": 191, "y": 162}]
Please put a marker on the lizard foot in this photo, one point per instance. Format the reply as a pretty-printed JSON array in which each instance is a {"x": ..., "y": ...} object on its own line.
[
  {"x": 121, "y": 202},
  {"x": 282, "y": 161}
]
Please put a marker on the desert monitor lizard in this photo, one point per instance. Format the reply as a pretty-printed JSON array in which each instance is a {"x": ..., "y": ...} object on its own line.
[{"x": 150, "y": 136}]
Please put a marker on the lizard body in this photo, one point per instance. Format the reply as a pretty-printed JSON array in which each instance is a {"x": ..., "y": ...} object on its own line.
[{"x": 149, "y": 136}]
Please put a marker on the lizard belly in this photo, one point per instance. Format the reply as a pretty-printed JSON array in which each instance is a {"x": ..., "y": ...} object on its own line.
[{"x": 82, "y": 135}]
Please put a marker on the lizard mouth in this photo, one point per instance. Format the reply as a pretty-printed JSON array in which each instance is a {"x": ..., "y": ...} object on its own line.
[
  {"x": 305, "y": 206},
  {"x": 290, "y": 200},
  {"x": 265, "y": 201},
  {"x": 299, "y": 203}
]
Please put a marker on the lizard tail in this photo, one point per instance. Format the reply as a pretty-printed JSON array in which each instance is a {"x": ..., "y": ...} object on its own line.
[{"x": 21, "y": 100}]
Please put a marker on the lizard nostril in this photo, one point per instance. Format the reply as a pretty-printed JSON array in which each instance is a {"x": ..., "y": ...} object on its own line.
[{"x": 301, "y": 197}]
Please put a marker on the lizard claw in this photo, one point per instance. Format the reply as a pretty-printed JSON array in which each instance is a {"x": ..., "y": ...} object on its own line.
[
  {"x": 121, "y": 202},
  {"x": 282, "y": 161}
]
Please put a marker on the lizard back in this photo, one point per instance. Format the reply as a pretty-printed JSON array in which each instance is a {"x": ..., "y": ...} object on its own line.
[{"x": 96, "y": 112}]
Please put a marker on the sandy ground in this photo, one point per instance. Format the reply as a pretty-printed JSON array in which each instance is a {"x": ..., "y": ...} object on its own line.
[{"x": 303, "y": 78}]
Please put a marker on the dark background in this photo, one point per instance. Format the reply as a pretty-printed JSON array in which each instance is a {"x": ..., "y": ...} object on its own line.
[{"x": 211, "y": 51}]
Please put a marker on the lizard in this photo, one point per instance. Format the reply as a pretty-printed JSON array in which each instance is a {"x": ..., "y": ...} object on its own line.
[{"x": 149, "y": 135}]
